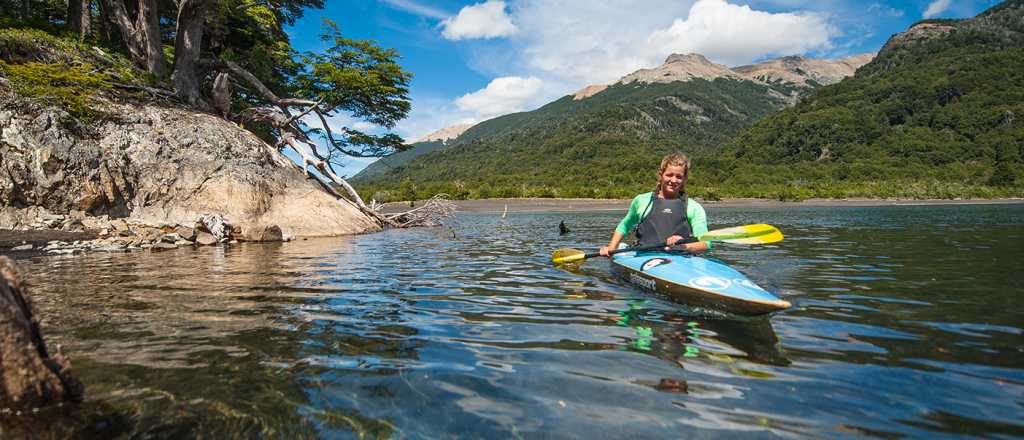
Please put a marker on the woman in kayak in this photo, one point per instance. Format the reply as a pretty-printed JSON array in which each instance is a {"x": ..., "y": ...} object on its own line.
[{"x": 665, "y": 215}]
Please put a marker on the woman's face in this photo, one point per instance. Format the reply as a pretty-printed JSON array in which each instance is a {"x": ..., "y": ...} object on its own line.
[{"x": 672, "y": 179}]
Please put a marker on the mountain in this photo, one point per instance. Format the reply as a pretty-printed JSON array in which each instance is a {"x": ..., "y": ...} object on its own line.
[
  {"x": 936, "y": 114},
  {"x": 616, "y": 130},
  {"x": 431, "y": 142}
]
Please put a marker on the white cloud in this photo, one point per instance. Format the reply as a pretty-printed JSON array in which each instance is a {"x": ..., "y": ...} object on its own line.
[
  {"x": 937, "y": 7},
  {"x": 502, "y": 95},
  {"x": 885, "y": 10},
  {"x": 733, "y": 34},
  {"x": 416, "y": 8},
  {"x": 583, "y": 42},
  {"x": 482, "y": 20}
]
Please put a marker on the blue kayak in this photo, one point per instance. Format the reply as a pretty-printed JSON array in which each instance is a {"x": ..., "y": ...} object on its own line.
[{"x": 696, "y": 281}]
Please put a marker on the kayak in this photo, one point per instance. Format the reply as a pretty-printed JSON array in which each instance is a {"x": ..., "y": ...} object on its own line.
[{"x": 695, "y": 280}]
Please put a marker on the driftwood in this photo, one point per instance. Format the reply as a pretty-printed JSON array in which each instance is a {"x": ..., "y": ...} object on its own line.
[
  {"x": 429, "y": 213},
  {"x": 30, "y": 377}
]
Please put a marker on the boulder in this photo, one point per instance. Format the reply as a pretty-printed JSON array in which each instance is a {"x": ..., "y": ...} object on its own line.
[
  {"x": 31, "y": 377},
  {"x": 269, "y": 233},
  {"x": 157, "y": 164},
  {"x": 206, "y": 239},
  {"x": 185, "y": 232}
]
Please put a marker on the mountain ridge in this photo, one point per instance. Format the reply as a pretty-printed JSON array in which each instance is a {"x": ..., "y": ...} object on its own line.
[{"x": 676, "y": 68}]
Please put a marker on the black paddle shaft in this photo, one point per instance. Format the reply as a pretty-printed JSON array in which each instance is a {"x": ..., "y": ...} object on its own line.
[{"x": 631, "y": 249}]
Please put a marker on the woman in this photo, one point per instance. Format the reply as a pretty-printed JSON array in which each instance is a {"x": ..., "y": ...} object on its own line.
[{"x": 665, "y": 215}]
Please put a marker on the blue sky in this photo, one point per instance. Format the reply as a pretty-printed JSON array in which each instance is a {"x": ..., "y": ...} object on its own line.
[{"x": 474, "y": 60}]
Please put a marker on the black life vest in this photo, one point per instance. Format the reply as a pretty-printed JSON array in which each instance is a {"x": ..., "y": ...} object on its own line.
[{"x": 663, "y": 219}]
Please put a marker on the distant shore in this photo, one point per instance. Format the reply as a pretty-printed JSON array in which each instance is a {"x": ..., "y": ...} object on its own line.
[{"x": 583, "y": 205}]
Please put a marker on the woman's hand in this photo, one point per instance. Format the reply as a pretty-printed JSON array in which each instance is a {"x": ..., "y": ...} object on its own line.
[
  {"x": 671, "y": 241},
  {"x": 604, "y": 251}
]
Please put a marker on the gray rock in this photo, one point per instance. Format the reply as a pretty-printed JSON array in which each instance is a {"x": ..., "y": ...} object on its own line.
[
  {"x": 163, "y": 246},
  {"x": 271, "y": 233},
  {"x": 121, "y": 228},
  {"x": 206, "y": 239},
  {"x": 185, "y": 232}
]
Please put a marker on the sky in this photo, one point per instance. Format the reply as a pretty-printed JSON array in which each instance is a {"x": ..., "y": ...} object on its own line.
[{"x": 475, "y": 60}]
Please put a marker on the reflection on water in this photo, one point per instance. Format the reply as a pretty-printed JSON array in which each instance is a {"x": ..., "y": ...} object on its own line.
[{"x": 905, "y": 324}]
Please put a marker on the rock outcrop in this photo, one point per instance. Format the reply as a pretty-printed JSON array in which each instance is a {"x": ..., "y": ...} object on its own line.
[
  {"x": 917, "y": 33},
  {"x": 157, "y": 165},
  {"x": 30, "y": 377},
  {"x": 447, "y": 133},
  {"x": 801, "y": 71}
]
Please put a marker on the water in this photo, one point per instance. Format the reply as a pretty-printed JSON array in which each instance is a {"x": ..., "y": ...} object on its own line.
[{"x": 906, "y": 323}]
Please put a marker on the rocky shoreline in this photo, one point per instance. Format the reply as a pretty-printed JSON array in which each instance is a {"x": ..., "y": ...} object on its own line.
[{"x": 58, "y": 234}]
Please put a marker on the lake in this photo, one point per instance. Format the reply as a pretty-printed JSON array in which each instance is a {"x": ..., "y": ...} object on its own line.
[{"x": 906, "y": 322}]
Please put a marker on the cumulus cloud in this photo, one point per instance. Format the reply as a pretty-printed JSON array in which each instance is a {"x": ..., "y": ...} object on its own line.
[
  {"x": 583, "y": 42},
  {"x": 733, "y": 34},
  {"x": 937, "y": 7},
  {"x": 502, "y": 95},
  {"x": 482, "y": 20}
]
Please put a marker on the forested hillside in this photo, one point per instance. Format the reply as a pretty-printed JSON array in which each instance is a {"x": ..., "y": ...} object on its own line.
[{"x": 936, "y": 114}]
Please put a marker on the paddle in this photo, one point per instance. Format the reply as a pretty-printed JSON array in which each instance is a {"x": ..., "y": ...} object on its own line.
[{"x": 747, "y": 234}]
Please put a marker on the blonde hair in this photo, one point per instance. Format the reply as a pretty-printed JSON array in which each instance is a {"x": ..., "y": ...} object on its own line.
[{"x": 675, "y": 159}]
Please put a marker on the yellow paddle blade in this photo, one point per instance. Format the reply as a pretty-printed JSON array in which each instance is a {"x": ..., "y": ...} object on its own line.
[
  {"x": 746, "y": 234},
  {"x": 567, "y": 255}
]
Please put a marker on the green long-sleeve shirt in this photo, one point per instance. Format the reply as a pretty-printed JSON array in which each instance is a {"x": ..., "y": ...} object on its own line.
[{"x": 641, "y": 206}]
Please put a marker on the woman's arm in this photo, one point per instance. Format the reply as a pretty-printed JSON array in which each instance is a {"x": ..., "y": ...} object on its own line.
[{"x": 613, "y": 243}]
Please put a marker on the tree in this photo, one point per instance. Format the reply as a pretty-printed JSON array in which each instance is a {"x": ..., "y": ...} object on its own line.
[
  {"x": 79, "y": 17},
  {"x": 141, "y": 35},
  {"x": 351, "y": 76}
]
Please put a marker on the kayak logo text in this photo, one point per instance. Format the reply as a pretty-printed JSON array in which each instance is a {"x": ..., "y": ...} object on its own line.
[{"x": 646, "y": 283}]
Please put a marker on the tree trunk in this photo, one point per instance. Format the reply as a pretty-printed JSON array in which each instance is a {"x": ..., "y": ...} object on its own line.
[
  {"x": 78, "y": 18},
  {"x": 129, "y": 33},
  {"x": 25, "y": 9},
  {"x": 148, "y": 27},
  {"x": 187, "y": 46},
  {"x": 104, "y": 32}
]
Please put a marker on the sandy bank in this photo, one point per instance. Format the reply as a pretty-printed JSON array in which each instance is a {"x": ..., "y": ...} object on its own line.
[{"x": 580, "y": 205}]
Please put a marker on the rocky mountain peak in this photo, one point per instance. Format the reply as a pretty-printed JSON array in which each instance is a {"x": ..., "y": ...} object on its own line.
[
  {"x": 687, "y": 58},
  {"x": 680, "y": 67},
  {"x": 445, "y": 134}
]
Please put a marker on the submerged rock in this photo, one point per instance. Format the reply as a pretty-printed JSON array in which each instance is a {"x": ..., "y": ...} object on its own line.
[{"x": 31, "y": 376}]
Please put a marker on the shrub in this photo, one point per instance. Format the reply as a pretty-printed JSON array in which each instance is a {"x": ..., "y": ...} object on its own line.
[{"x": 69, "y": 86}]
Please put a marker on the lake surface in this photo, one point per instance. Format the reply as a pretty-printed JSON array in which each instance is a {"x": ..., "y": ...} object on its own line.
[{"x": 907, "y": 321}]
